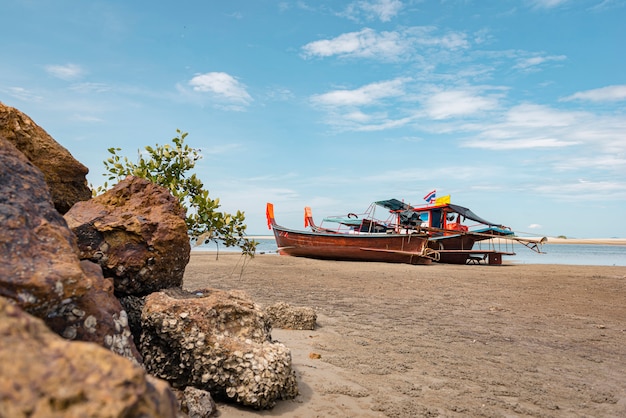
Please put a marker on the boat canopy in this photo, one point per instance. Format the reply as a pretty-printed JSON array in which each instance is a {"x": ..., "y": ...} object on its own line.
[
  {"x": 393, "y": 204},
  {"x": 397, "y": 205},
  {"x": 465, "y": 212},
  {"x": 344, "y": 220}
]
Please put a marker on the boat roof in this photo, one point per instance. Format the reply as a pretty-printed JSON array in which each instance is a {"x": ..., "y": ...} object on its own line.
[
  {"x": 344, "y": 220},
  {"x": 398, "y": 205}
]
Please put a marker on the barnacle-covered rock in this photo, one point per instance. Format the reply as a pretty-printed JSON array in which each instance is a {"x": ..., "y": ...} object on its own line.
[
  {"x": 137, "y": 233},
  {"x": 41, "y": 271},
  {"x": 216, "y": 341},
  {"x": 196, "y": 403},
  {"x": 43, "y": 375},
  {"x": 97, "y": 316},
  {"x": 40, "y": 267},
  {"x": 133, "y": 305},
  {"x": 284, "y": 316}
]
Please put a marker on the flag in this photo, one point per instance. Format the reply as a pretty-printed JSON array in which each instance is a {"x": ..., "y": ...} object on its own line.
[
  {"x": 269, "y": 214},
  {"x": 430, "y": 197},
  {"x": 443, "y": 200}
]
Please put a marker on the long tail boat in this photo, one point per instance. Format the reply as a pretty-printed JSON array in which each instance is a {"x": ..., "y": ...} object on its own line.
[
  {"x": 408, "y": 247},
  {"x": 444, "y": 225}
]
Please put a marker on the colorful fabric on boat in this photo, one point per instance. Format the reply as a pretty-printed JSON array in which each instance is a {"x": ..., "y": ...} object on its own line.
[{"x": 430, "y": 197}]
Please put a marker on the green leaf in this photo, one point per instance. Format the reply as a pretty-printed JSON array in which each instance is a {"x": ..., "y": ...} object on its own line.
[{"x": 168, "y": 166}]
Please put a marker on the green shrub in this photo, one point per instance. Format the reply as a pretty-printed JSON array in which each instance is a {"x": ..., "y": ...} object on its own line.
[{"x": 168, "y": 166}]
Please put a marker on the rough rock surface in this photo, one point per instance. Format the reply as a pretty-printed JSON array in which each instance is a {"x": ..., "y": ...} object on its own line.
[
  {"x": 43, "y": 376},
  {"x": 64, "y": 175},
  {"x": 133, "y": 305},
  {"x": 196, "y": 403},
  {"x": 216, "y": 341},
  {"x": 98, "y": 317},
  {"x": 40, "y": 267},
  {"x": 136, "y": 231},
  {"x": 284, "y": 316}
]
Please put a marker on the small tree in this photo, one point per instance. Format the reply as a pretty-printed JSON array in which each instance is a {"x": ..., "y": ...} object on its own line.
[{"x": 168, "y": 166}]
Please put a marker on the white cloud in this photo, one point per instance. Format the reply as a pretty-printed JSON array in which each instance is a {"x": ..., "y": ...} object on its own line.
[
  {"x": 279, "y": 94},
  {"x": 23, "y": 94},
  {"x": 526, "y": 126},
  {"x": 537, "y": 116},
  {"x": 603, "y": 94},
  {"x": 65, "y": 72},
  {"x": 358, "y": 116},
  {"x": 446, "y": 104},
  {"x": 221, "y": 85},
  {"x": 582, "y": 189},
  {"x": 394, "y": 45},
  {"x": 531, "y": 63},
  {"x": 532, "y": 126},
  {"x": 366, "y": 95},
  {"x": 86, "y": 118},
  {"x": 615, "y": 162},
  {"x": 535, "y": 226},
  {"x": 607, "y": 5},
  {"x": 90, "y": 88},
  {"x": 385, "y": 124},
  {"x": 343, "y": 106},
  {"x": 525, "y": 143},
  {"x": 547, "y": 4},
  {"x": 384, "y": 10},
  {"x": 366, "y": 43},
  {"x": 423, "y": 35}
]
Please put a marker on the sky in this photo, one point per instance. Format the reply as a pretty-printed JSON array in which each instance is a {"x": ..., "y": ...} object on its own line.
[{"x": 516, "y": 109}]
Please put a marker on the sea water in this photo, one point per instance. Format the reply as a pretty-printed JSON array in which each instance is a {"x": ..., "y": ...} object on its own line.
[
  {"x": 266, "y": 245},
  {"x": 577, "y": 254}
]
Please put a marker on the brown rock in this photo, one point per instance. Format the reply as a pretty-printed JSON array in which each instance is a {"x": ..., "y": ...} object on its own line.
[
  {"x": 39, "y": 266},
  {"x": 97, "y": 316},
  {"x": 216, "y": 341},
  {"x": 137, "y": 233},
  {"x": 133, "y": 305},
  {"x": 43, "y": 375},
  {"x": 196, "y": 403},
  {"x": 64, "y": 175},
  {"x": 284, "y": 316}
]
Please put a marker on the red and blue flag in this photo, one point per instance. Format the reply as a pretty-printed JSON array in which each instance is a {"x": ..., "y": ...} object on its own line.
[{"x": 431, "y": 197}]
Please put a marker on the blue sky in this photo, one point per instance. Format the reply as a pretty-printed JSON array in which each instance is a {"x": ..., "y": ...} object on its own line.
[{"x": 517, "y": 109}]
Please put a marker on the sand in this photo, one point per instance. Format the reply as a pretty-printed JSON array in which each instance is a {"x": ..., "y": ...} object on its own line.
[{"x": 396, "y": 340}]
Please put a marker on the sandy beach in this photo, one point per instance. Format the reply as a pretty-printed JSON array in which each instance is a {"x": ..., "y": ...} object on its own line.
[{"x": 397, "y": 340}]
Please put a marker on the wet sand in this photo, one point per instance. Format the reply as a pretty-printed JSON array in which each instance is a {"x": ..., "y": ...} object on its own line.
[{"x": 396, "y": 340}]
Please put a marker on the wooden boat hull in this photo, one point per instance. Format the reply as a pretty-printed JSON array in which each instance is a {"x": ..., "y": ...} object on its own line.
[
  {"x": 387, "y": 248},
  {"x": 392, "y": 248}
]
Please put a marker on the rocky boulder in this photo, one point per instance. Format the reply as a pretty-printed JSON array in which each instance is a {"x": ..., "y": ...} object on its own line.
[
  {"x": 137, "y": 233},
  {"x": 40, "y": 268},
  {"x": 284, "y": 316},
  {"x": 216, "y": 341},
  {"x": 43, "y": 375},
  {"x": 196, "y": 403},
  {"x": 64, "y": 175},
  {"x": 98, "y": 317}
]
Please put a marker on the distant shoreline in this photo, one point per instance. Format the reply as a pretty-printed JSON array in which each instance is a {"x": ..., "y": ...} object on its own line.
[
  {"x": 551, "y": 240},
  {"x": 585, "y": 241}
]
